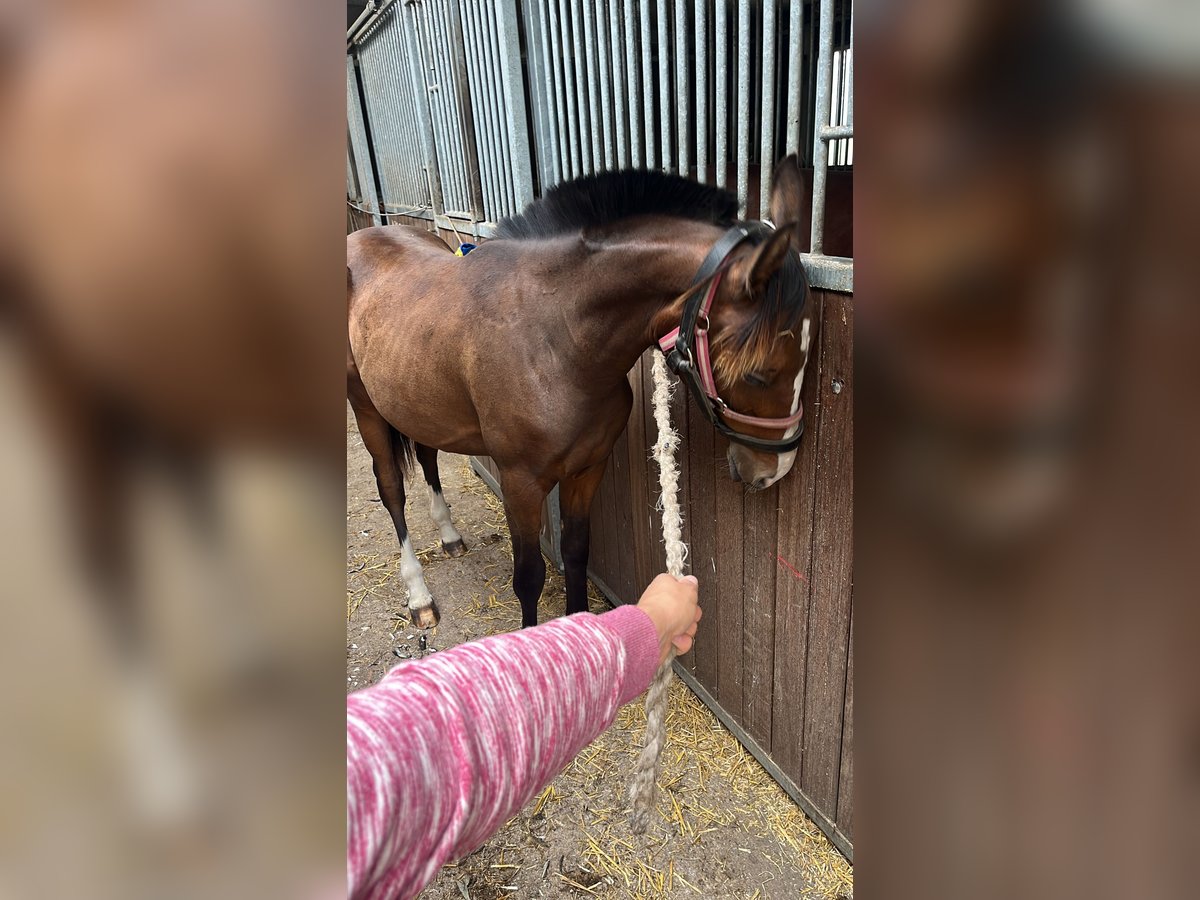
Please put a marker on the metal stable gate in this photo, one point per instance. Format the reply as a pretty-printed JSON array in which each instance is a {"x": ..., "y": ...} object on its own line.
[{"x": 462, "y": 111}]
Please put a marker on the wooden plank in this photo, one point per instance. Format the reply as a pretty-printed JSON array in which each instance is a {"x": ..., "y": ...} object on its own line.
[
  {"x": 833, "y": 537},
  {"x": 679, "y": 417},
  {"x": 761, "y": 520},
  {"x": 793, "y": 560},
  {"x": 702, "y": 508},
  {"x": 845, "y": 805},
  {"x": 639, "y": 502},
  {"x": 730, "y": 585}
]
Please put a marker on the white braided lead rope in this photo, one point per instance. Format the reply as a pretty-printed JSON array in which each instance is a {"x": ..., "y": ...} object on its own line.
[{"x": 641, "y": 782}]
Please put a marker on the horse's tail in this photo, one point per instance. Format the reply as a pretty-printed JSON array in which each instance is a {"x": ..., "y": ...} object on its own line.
[{"x": 404, "y": 452}]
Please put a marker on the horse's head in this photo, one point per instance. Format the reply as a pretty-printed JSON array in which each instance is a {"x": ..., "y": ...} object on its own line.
[{"x": 762, "y": 330}]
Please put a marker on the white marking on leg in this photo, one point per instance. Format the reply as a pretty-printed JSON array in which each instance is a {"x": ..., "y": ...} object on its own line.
[
  {"x": 165, "y": 788},
  {"x": 787, "y": 460},
  {"x": 414, "y": 579},
  {"x": 440, "y": 513}
]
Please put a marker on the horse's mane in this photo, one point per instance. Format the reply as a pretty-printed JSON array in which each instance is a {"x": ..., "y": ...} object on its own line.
[{"x": 610, "y": 196}]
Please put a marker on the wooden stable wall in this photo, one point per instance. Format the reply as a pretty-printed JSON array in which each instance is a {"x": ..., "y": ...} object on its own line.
[
  {"x": 774, "y": 656},
  {"x": 775, "y": 569}
]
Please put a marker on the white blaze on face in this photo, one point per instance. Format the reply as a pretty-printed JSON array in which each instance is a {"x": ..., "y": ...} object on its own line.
[
  {"x": 414, "y": 579},
  {"x": 786, "y": 460}
]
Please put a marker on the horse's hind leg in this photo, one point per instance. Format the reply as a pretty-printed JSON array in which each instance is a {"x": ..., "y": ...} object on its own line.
[
  {"x": 452, "y": 541},
  {"x": 388, "y": 453}
]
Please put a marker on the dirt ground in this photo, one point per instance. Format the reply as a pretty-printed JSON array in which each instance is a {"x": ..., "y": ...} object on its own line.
[{"x": 727, "y": 830}]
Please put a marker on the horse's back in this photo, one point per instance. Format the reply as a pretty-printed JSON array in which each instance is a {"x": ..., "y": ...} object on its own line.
[{"x": 371, "y": 251}]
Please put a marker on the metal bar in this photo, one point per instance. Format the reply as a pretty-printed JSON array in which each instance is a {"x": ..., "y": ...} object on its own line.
[
  {"x": 506, "y": 42},
  {"x": 837, "y": 132},
  {"x": 664, "y": 86},
  {"x": 579, "y": 76},
  {"x": 701, "y": 30},
  {"x": 722, "y": 88},
  {"x": 850, "y": 72},
  {"x": 358, "y": 137},
  {"x": 795, "y": 69},
  {"x": 362, "y": 17},
  {"x": 647, "y": 85},
  {"x": 593, "y": 79},
  {"x": 479, "y": 101},
  {"x": 604, "y": 73},
  {"x": 392, "y": 80},
  {"x": 743, "y": 106},
  {"x": 569, "y": 86},
  {"x": 376, "y": 119},
  {"x": 835, "y": 108},
  {"x": 636, "y": 156},
  {"x": 497, "y": 109},
  {"x": 483, "y": 79},
  {"x": 448, "y": 89},
  {"x": 355, "y": 37},
  {"x": 462, "y": 91},
  {"x": 565, "y": 121},
  {"x": 766, "y": 156},
  {"x": 427, "y": 48},
  {"x": 809, "y": 116},
  {"x": 683, "y": 126},
  {"x": 406, "y": 139},
  {"x": 620, "y": 112},
  {"x": 553, "y": 150},
  {"x": 543, "y": 147},
  {"x": 820, "y": 147}
]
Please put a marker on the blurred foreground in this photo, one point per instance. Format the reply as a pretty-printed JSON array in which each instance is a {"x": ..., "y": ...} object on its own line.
[
  {"x": 1028, "y": 511},
  {"x": 171, "y": 356}
]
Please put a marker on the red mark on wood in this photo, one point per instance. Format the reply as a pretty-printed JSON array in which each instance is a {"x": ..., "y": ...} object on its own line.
[{"x": 787, "y": 565}]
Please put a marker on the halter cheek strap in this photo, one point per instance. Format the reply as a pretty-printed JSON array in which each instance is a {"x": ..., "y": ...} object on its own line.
[{"x": 687, "y": 351}]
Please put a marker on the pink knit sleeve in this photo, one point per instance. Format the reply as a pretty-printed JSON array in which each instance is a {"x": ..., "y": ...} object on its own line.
[{"x": 444, "y": 750}]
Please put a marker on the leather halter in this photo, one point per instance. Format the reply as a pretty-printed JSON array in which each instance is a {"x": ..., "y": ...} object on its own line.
[{"x": 687, "y": 352}]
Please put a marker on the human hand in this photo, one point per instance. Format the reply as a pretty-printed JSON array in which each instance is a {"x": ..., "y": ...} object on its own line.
[{"x": 673, "y": 606}]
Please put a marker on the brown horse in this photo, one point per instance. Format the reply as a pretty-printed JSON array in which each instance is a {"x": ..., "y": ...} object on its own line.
[{"x": 521, "y": 349}]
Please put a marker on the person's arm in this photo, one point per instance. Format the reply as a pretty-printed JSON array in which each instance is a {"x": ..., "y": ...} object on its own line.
[{"x": 443, "y": 751}]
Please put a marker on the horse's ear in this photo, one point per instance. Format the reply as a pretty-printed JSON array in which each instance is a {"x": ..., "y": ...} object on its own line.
[
  {"x": 787, "y": 193},
  {"x": 754, "y": 270}
]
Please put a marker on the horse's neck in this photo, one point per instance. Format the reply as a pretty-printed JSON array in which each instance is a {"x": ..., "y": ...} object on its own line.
[{"x": 626, "y": 293}]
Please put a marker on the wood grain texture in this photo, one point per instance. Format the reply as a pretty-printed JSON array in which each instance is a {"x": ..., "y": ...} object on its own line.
[
  {"x": 793, "y": 562},
  {"x": 701, "y": 510},
  {"x": 760, "y": 513},
  {"x": 640, "y": 470},
  {"x": 845, "y": 804},
  {"x": 833, "y": 537},
  {"x": 730, "y": 586}
]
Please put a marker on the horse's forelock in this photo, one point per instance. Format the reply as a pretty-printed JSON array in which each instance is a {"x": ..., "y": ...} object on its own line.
[{"x": 747, "y": 348}]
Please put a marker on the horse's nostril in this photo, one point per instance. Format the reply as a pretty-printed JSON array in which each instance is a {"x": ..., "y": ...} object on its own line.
[{"x": 760, "y": 483}]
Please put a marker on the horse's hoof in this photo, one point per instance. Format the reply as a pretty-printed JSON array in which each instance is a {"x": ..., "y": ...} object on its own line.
[
  {"x": 426, "y": 616},
  {"x": 455, "y": 548}
]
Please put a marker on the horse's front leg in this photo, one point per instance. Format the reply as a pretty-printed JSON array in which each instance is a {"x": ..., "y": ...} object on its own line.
[
  {"x": 575, "y": 502},
  {"x": 523, "y": 499}
]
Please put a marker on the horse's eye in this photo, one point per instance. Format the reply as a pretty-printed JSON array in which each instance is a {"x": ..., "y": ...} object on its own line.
[{"x": 756, "y": 380}]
